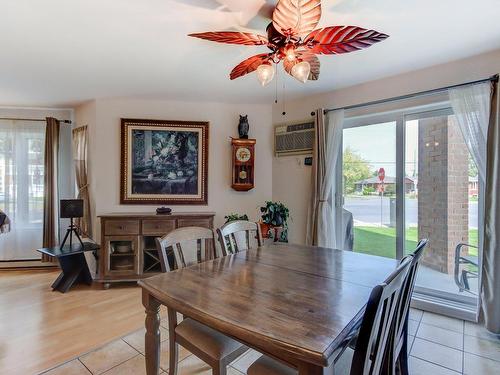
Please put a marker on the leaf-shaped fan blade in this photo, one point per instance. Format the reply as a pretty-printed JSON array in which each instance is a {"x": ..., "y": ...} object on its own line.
[
  {"x": 248, "y": 65},
  {"x": 232, "y": 37},
  {"x": 311, "y": 58},
  {"x": 341, "y": 39},
  {"x": 296, "y": 17}
]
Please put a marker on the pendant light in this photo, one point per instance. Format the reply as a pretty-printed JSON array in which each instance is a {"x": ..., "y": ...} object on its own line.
[
  {"x": 301, "y": 71},
  {"x": 265, "y": 73}
]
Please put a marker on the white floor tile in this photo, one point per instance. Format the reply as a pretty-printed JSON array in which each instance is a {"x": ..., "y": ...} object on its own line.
[
  {"x": 437, "y": 354},
  {"x": 444, "y": 322},
  {"x": 441, "y": 336},
  {"x": 475, "y": 365},
  {"x": 420, "y": 367},
  {"x": 484, "y": 348}
]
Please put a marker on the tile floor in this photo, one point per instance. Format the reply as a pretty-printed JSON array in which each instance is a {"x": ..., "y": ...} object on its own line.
[{"x": 438, "y": 346}]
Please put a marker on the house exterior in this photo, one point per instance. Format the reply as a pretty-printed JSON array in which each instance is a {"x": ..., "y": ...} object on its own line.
[{"x": 389, "y": 184}]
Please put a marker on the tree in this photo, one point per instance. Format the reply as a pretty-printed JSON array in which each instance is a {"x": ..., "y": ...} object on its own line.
[
  {"x": 472, "y": 168},
  {"x": 355, "y": 169}
]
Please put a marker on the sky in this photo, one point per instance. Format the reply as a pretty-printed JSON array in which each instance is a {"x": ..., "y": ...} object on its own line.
[{"x": 377, "y": 145}]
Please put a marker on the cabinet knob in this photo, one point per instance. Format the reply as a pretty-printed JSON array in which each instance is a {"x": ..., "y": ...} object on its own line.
[{"x": 120, "y": 227}]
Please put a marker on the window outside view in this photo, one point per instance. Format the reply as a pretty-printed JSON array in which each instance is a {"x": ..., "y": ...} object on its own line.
[{"x": 439, "y": 167}]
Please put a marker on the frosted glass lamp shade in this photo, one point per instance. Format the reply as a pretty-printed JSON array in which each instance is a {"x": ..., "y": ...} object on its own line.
[
  {"x": 265, "y": 73},
  {"x": 301, "y": 71}
]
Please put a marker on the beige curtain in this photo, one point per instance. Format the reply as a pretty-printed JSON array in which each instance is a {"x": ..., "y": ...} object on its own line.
[
  {"x": 80, "y": 147},
  {"x": 321, "y": 223},
  {"x": 50, "y": 200},
  {"x": 490, "y": 275}
]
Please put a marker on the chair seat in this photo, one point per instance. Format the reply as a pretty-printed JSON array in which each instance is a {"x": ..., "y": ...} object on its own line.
[
  {"x": 268, "y": 366},
  {"x": 215, "y": 344}
]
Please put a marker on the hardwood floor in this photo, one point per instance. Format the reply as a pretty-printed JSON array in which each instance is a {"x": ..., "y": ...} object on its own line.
[{"x": 40, "y": 328}]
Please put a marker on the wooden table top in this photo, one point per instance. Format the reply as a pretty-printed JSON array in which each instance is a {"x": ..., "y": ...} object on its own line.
[{"x": 289, "y": 300}]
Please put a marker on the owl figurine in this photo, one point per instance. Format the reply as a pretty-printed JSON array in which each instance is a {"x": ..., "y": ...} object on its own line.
[{"x": 243, "y": 127}]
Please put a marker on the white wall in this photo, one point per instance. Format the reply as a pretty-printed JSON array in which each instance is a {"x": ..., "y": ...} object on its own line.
[
  {"x": 291, "y": 179},
  {"x": 103, "y": 118}
]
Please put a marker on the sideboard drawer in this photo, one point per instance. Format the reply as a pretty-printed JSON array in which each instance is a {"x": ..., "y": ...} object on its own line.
[
  {"x": 157, "y": 227},
  {"x": 206, "y": 223},
  {"x": 121, "y": 227}
]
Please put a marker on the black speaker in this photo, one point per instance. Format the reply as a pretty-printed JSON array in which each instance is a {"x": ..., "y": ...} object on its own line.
[{"x": 71, "y": 208}]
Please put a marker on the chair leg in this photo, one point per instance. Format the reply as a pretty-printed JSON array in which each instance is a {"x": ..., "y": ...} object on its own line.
[
  {"x": 173, "y": 357},
  {"x": 402, "y": 360}
]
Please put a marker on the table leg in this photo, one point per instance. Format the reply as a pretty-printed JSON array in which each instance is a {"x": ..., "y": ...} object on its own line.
[
  {"x": 74, "y": 268},
  {"x": 152, "y": 336}
]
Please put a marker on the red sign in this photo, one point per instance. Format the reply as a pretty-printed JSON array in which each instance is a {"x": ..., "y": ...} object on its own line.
[{"x": 381, "y": 174}]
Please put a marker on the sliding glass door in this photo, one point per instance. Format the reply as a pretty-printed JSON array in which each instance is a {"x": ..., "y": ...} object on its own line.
[
  {"x": 21, "y": 187},
  {"x": 444, "y": 207},
  {"x": 405, "y": 176}
]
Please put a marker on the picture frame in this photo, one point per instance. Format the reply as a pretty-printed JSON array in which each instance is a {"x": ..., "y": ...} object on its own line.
[{"x": 164, "y": 162}]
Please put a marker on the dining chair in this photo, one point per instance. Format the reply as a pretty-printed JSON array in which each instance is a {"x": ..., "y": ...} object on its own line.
[
  {"x": 397, "y": 355},
  {"x": 369, "y": 353},
  {"x": 239, "y": 235},
  {"x": 192, "y": 245}
]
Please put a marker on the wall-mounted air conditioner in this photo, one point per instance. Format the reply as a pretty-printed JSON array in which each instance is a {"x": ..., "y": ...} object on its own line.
[{"x": 294, "y": 139}]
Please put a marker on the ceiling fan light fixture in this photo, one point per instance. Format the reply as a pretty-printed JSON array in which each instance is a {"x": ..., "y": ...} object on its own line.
[
  {"x": 289, "y": 52},
  {"x": 265, "y": 73},
  {"x": 301, "y": 71}
]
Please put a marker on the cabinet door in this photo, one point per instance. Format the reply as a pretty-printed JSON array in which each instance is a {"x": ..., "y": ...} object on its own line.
[{"x": 121, "y": 256}]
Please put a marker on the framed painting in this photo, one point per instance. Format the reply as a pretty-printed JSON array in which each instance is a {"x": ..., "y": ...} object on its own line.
[{"x": 164, "y": 162}]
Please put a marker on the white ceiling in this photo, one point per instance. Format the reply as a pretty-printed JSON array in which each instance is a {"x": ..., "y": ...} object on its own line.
[{"x": 60, "y": 52}]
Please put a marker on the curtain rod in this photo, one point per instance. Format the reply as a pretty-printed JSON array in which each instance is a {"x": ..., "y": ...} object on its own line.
[
  {"x": 33, "y": 119},
  {"x": 408, "y": 96}
]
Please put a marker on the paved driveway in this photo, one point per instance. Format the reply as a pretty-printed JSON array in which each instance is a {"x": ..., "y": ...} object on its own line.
[{"x": 371, "y": 210}]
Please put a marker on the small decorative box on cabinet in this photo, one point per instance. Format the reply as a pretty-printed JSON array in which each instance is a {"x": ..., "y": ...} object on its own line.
[{"x": 128, "y": 243}]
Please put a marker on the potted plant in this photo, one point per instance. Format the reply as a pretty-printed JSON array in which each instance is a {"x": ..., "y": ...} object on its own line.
[
  {"x": 274, "y": 215},
  {"x": 234, "y": 217}
]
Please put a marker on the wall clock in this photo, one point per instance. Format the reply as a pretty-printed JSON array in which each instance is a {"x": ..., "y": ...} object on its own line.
[{"x": 243, "y": 164}]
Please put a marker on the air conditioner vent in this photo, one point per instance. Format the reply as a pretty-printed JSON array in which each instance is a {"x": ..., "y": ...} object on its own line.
[{"x": 294, "y": 139}]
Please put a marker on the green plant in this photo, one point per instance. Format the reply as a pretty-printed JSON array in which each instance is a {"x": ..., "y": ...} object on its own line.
[
  {"x": 234, "y": 217},
  {"x": 368, "y": 190},
  {"x": 275, "y": 213}
]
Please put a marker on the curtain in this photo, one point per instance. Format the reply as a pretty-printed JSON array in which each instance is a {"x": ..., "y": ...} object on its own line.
[
  {"x": 471, "y": 105},
  {"x": 321, "y": 225},
  {"x": 80, "y": 145},
  {"x": 490, "y": 281},
  {"x": 51, "y": 196},
  {"x": 21, "y": 188},
  {"x": 476, "y": 110}
]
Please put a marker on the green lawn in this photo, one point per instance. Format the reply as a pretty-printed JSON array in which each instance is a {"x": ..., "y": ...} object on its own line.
[{"x": 382, "y": 241}]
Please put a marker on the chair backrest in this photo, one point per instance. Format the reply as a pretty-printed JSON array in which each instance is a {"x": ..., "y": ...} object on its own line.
[
  {"x": 190, "y": 245},
  {"x": 401, "y": 320},
  {"x": 374, "y": 334},
  {"x": 239, "y": 235}
]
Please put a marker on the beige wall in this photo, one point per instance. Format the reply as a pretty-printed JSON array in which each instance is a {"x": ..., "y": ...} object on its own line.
[
  {"x": 291, "y": 178},
  {"x": 103, "y": 117}
]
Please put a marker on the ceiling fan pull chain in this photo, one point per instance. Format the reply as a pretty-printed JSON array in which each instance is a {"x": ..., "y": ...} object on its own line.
[
  {"x": 283, "y": 100},
  {"x": 276, "y": 86}
]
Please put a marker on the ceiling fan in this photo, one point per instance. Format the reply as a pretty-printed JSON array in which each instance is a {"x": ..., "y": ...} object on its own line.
[{"x": 293, "y": 39}]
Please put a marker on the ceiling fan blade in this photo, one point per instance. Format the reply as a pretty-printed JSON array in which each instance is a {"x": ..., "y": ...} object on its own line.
[
  {"x": 248, "y": 65},
  {"x": 232, "y": 37},
  {"x": 334, "y": 40},
  {"x": 311, "y": 58},
  {"x": 296, "y": 17}
]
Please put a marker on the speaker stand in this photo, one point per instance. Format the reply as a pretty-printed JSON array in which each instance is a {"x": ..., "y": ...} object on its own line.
[{"x": 69, "y": 232}]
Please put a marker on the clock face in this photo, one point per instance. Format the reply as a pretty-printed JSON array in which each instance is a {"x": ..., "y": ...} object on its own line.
[{"x": 243, "y": 154}]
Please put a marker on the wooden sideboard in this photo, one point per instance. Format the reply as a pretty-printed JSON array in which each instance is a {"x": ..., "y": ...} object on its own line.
[{"x": 128, "y": 242}]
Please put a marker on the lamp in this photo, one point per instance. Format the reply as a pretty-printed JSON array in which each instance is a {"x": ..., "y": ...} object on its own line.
[
  {"x": 265, "y": 73},
  {"x": 301, "y": 71},
  {"x": 69, "y": 209}
]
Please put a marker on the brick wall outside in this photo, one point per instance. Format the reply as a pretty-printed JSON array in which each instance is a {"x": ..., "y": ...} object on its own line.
[{"x": 442, "y": 190}]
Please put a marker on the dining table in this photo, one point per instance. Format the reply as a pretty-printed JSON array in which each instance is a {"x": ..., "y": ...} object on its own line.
[{"x": 298, "y": 304}]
